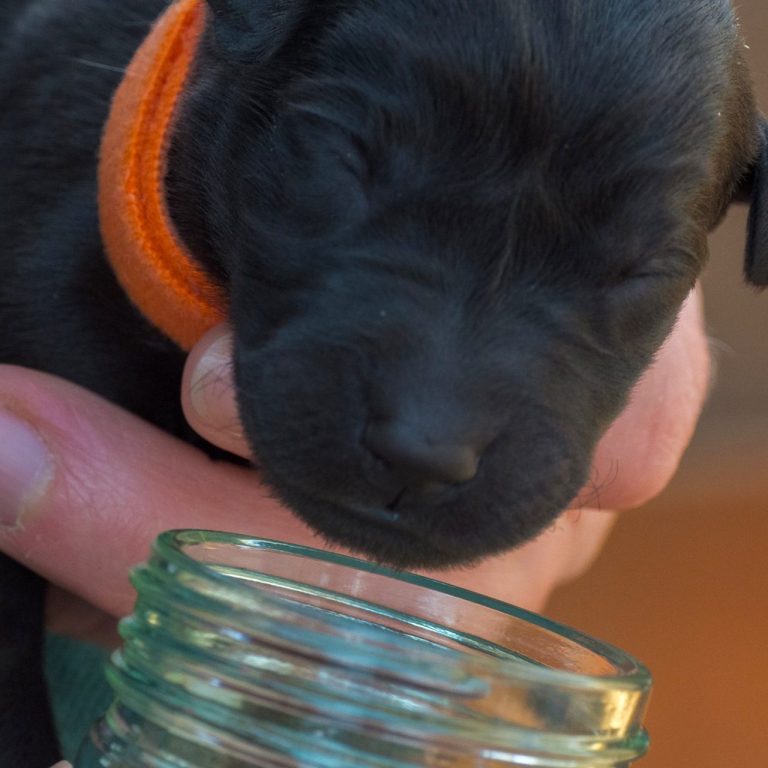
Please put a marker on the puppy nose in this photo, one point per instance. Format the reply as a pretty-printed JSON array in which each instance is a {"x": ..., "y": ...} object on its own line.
[{"x": 418, "y": 462}]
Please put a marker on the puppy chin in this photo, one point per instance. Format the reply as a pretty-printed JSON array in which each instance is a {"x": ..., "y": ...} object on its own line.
[
  {"x": 380, "y": 537},
  {"x": 447, "y": 536}
]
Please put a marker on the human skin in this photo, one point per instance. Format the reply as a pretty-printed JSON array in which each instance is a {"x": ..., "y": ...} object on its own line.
[{"x": 110, "y": 482}]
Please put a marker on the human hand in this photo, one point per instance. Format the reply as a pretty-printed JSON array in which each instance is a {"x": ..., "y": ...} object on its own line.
[{"x": 95, "y": 485}]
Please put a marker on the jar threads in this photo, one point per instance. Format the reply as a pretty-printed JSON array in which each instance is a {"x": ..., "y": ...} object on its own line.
[{"x": 247, "y": 652}]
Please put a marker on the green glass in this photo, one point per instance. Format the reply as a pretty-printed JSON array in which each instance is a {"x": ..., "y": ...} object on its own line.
[{"x": 243, "y": 652}]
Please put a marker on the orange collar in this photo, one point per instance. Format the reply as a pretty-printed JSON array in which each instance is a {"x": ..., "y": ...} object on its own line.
[{"x": 146, "y": 253}]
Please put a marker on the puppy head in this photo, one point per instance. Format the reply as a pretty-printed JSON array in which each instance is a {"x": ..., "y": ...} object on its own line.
[{"x": 454, "y": 236}]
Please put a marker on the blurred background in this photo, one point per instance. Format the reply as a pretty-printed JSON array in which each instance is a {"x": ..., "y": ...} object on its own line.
[{"x": 683, "y": 583}]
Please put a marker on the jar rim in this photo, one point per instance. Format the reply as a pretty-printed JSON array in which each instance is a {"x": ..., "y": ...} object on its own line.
[{"x": 631, "y": 675}]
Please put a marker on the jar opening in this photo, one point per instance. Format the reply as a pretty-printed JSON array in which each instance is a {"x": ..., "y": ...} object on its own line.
[{"x": 480, "y": 623}]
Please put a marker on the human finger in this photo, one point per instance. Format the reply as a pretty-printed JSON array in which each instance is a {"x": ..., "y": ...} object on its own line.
[
  {"x": 208, "y": 392},
  {"x": 85, "y": 487}
]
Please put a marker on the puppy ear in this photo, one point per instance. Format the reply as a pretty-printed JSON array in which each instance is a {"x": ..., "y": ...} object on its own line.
[
  {"x": 756, "y": 264},
  {"x": 254, "y": 30}
]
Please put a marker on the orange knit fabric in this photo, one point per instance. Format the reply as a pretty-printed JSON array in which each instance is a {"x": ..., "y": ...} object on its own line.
[{"x": 151, "y": 263}]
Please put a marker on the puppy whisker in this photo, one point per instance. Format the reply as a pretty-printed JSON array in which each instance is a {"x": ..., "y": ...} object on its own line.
[
  {"x": 593, "y": 499},
  {"x": 98, "y": 65}
]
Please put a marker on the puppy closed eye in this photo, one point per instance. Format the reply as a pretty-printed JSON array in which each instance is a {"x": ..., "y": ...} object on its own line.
[
  {"x": 648, "y": 273},
  {"x": 646, "y": 294},
  {"x": 312, "y": 194},
  {"x": 332, "y": 199},
  {"x": 326, "y": 179},
  {"x": 634, "y": 273}
]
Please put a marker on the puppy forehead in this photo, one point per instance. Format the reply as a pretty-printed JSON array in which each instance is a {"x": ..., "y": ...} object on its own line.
[
  {"x": 617, "y": 88},
  {"x": 523, "y": 133},
  {"x": 594, "y": 69},
  {"x": 504, "y": 33}
]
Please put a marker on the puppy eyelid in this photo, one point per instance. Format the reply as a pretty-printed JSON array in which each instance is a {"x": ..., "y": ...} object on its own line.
[{"x": 357, "y": 159}]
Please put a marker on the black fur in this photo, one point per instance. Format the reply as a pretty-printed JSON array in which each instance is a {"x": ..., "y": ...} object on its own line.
[
  {"x": 471, "y": 222},
  {"x": 756, "y": 265}
]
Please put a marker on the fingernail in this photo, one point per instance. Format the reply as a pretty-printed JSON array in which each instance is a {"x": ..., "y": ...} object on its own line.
[
  {"x": 212, "y": 379},
  {"x": 26, "y": 467}
]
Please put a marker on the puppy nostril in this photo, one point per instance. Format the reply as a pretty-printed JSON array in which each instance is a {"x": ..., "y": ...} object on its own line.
[{"x": 417, "y": 462}]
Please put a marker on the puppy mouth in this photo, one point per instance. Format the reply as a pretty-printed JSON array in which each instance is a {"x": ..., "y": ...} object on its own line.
[
  {"x": 386, "y": 516},
  {"x": 399, "y": 538},
  {"x": 392, "y": 523},
  {"x": 398, "y": 546}
]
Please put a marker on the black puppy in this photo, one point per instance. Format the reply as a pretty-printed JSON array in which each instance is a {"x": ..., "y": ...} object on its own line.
[{"x": 452, "y": 234}]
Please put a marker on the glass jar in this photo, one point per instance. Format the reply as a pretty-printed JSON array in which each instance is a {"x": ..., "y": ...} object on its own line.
[{"x": 244, "y": 652}]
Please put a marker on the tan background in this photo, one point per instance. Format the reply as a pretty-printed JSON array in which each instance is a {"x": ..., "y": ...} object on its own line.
[{"x": 683, "y": 584}]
